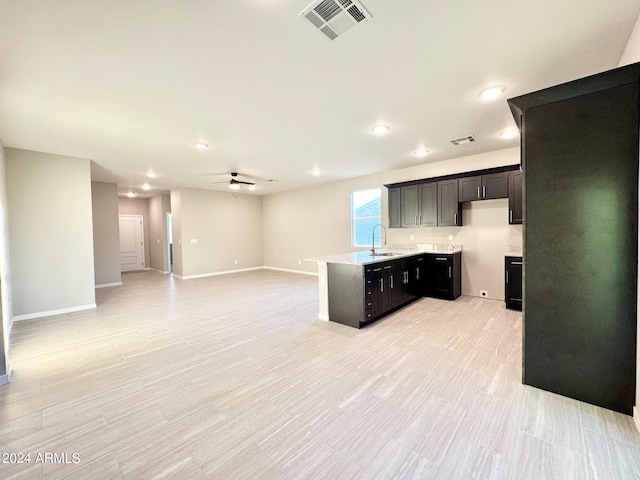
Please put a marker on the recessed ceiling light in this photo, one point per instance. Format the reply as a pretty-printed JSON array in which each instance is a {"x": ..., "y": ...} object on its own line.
[
  {"x": 491, "y": 93},
  {"x": 380, "y": 129},
  {"x": 423, "y": 152},
  {"x": 146, "y": 186},
  {"x": 151, "y": 175},
  {"x": 201, "y": 146},
  {"x": 131, "y": 194},
  {"x": 507, "y": 134}
]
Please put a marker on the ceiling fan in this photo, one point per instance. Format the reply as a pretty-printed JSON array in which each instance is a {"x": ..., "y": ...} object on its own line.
[{"x": 234, "y": 183}]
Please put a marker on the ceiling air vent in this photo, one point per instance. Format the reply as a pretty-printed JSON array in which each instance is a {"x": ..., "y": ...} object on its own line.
[
  {"x": 334, "y": 17},
  {"x": 462, "y": 140}
]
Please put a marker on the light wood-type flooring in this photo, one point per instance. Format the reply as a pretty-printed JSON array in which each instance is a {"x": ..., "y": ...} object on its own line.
[{"x": 233, "y": 377}]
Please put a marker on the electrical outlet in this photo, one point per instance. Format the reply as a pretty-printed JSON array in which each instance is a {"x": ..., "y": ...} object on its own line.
[
  {"x": 299, "y": 262},
  {"x": 484, "y": 293},
  {"x": 235, "y": 261},
  {"x": 411, "y": 237},
  {"x": 450, "y": 237}
]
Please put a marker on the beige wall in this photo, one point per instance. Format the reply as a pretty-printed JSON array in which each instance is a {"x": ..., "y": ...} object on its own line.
[
  {"x": 159, "y": 206},
  {"x": 226, "y": 226},
  {"x": 317, "y": 221},
  {"x": 106, "y": 239},
  {"x": 631, "y": 52},
  {"x": 50, "y": 233},
  {"x": 5, "y": 277},
  {"x": 176, "y": 221},
  {"x": 137, "y": 206}
]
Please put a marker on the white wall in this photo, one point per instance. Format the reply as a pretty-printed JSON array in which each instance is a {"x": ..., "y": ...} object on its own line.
[
  {"x": 159, "y": 206},
  {"x": 50, "y": 233},
  {"x": 106, "y": 238},
  {"x": 226, "y": 226},
  {"x": 5, "y": 277},
  {"x": 317, "y": 221},
  {"x": 137, "y": 206}
]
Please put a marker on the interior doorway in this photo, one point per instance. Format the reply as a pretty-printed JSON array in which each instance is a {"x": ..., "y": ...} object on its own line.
[{"x": 131, "y": 243}]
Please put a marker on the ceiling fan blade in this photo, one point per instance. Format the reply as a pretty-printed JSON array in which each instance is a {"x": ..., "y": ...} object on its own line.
[{"x": 244, "y": 183}]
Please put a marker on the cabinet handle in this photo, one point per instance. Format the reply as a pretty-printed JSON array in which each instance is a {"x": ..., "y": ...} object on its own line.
[
  {"x": 478, "y": 192},
  {"x": 516, "y": 263},
  {"x": 391, "y": 281},
  {"x": 510, "y": 216},
  {"x": 440, "y": 258},
  {"x": 381, "y": 285},
  {"x": 377, "y": 269},
  {"x": 449, "y": 272},
  {"x": 416, "y": 219},
  {"x": 419, "y": 219},
  {"x": 388, "y": 266},
  {"x": 455, "y": 218},
  {"x": 484, "y": 191},
  {"x": 418, "y": 273},
  {"x": 507, "y": 272}
]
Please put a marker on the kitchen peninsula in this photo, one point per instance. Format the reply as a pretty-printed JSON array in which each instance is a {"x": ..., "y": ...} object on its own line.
[{"x": 360, "y": 287}]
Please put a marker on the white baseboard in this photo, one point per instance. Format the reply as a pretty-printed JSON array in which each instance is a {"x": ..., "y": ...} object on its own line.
[
  {"x": 104, "y": 285},
  {"x": 29, "y": 316},
  {"x": 213, "y": 274},
  {"x": 323, "y": 317},
  {"x": 288, "y": 270},
  {"x": 636, "y": 417},
  {"x": 164, "y": 272},
  {"x": 6, "y": 378}
]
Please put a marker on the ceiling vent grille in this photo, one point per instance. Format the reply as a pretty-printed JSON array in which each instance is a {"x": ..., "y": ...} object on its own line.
[
  {"x": 462, "y": 140},
  {"x": 334, "y": 17}
]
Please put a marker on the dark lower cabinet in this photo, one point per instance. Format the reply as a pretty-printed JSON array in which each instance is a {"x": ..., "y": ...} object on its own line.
[
  {"x": 513, "y": 282},
  {"x": 361, "y": 294},
  {"x": 444, "y": 280}
]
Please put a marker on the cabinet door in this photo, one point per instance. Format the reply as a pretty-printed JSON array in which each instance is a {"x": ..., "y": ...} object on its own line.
[
  {"x": 441, "y": 276},
  {"x": 515, "y": 197},
  {"x": 469, "y": 188},
  {"x": 419, "y": 275},
  {"x": 385, "y": 288},
  {"x": 409, "y": 208},
  {"x": 395, "y": 210},
  {"x": 396, "y": 287},
  {"x": 373, "y": 293},
  {"x": 495, "y": 185},
  {"x": 428, "y": 203},
  {"x": 513, "y": 283},
  {"x": 449, "y": 210}
]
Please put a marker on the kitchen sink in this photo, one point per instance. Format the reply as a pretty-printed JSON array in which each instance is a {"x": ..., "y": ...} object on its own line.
[{"x": 385, "y": 254}]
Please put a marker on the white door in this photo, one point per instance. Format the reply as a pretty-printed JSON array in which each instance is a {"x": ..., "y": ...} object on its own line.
[{"x": 131, "y": 243}]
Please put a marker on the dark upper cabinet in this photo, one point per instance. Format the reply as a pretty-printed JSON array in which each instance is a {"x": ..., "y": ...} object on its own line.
[
  {"x": 469, "y": 189},
  {"x": 513, "y": 282},
  {"x": 515, "y": 197},
  {"x": 395, "y": 209},
  {"x": 409, "y": 206},
  {"x": 449, "y": 209},
  {"x": 428, "y": 202},
  {"x": 483, "y": 187}
]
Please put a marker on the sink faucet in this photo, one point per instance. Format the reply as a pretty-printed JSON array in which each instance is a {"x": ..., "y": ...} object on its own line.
[{"x": 373, "y": 238}]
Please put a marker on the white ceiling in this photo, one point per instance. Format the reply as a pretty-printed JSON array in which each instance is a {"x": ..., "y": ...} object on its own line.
[{"x": 133, "y": 84}]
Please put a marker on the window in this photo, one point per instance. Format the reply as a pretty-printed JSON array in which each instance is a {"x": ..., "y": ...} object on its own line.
[{"x": 365, "y": 214}]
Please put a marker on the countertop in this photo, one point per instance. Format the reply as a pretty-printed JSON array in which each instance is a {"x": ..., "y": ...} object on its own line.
[{"x": 364, "y": 257}]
